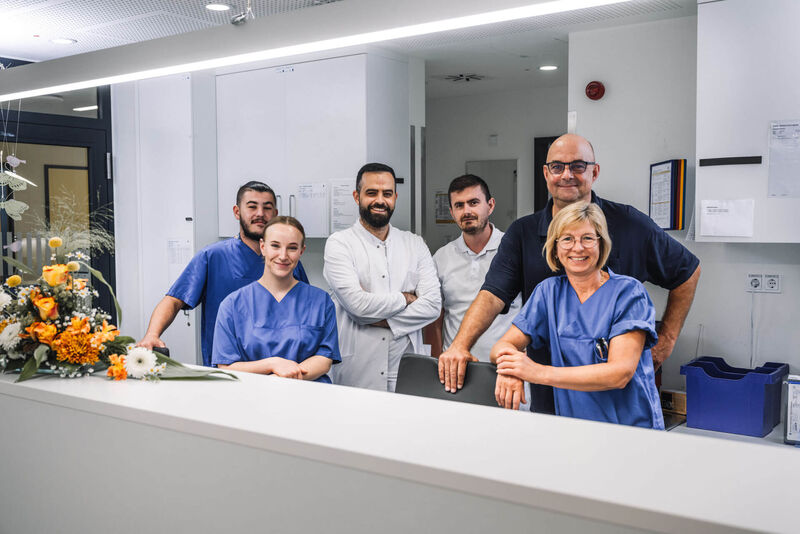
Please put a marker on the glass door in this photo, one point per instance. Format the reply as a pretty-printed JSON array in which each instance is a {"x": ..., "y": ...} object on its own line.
[{"x": 65, "y": 157}]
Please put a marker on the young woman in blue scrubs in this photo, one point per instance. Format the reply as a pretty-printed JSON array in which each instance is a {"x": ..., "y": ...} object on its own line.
[
  {"x": 278, "y": 325},
  {"x": 599, "y": 327}
]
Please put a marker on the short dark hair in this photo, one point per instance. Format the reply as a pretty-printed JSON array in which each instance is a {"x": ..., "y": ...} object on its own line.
[
  {"x": 289, "y": 221},
  {"x": 374, "y": 167},
  {"x": 254, "y": 185},
  {"x": 465, "y": 181}
]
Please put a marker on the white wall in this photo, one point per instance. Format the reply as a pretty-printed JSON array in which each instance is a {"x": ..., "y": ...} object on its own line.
[
  {"x": 646, "y": 116},
  {"x": 458, "y": 131}
]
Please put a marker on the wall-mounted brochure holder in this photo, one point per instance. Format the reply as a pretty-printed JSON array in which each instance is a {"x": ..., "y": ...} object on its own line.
[{"x": 668, "y": 193}]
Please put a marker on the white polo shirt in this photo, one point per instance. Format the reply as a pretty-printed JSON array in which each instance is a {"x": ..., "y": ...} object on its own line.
[{"x": 461, "y": 273}]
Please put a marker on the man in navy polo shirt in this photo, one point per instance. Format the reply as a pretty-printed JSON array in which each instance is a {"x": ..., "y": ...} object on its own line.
[
  {"x": 220, "y": 269},
  {"x": 641, "y": 250}
]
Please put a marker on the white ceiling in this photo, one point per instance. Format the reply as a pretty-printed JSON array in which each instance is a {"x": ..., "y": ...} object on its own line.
[{"x": 508, "y": 55}]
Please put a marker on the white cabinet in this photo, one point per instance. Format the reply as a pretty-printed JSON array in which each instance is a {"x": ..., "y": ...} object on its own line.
[
  {"x": 306, "y": 123},
  {"x": 746, "y": 77},
  {"x": 155, "y": 210}
]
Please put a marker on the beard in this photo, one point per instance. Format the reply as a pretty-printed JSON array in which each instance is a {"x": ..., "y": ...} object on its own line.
[
  {"x": 474, "y": 229},
  {"x": 375, "y": 220},
  {"x": 250, "y": 231}
]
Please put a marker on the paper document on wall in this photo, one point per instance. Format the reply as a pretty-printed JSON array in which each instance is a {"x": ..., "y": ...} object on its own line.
[
  {"x": 312, "y": 208},
  {"x": 784, "y": 159},
  {"x": 661, "y": 194},
  {"x": 727, "y": 218},
  {"x": 179, "y": 253},
  {"x": 442, "y": 205},
  {"x": 344, "y": 210}
]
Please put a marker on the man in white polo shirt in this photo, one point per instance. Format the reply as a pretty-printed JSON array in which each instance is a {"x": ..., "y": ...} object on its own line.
[{"x": 462, "y": 265}]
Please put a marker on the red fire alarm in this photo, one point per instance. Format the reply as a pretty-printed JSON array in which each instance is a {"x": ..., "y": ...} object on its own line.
[{"x": 595, "y": 90}]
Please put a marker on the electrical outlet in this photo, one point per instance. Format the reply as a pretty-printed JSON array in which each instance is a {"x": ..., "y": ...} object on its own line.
[
  {"x": 755, "y": 283},
  {"x": 772, "y": 283}
]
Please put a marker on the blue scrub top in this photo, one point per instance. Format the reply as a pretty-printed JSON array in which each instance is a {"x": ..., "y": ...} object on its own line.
[
  {"x": 554, "y": 317},
  {"x": 214, "y": 273},
  {"x": 252, "y": 325}
]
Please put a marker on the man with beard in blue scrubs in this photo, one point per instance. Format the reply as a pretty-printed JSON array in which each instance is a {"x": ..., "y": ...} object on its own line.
[{"x": 219, "y": 269}]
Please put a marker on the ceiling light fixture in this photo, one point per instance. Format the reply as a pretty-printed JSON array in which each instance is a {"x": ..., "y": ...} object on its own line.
[
  {"x": 356, "y": 39},
  {"x": 548, "y": 67},
  {"x": 85, "y": 108},
  {"x": 63, "y": 41},
  {"x": 218, "y": 7}
]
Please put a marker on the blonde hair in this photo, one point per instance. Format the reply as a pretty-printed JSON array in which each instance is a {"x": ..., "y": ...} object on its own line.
[
  {"x": 577, "y": 213},
  {"x": 288, "y": 221}
]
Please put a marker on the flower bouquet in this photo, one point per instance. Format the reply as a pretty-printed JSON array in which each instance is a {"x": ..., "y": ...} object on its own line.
[{"x": 48, "y": 325}]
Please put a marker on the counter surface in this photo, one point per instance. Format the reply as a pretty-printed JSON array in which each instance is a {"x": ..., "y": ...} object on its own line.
[{"x": 626, "y": 476}]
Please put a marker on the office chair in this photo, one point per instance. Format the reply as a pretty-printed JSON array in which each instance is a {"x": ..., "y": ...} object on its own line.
[{"x": 419, "y": 375}]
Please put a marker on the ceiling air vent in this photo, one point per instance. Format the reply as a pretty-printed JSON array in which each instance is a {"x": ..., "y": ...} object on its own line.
[{"x": 464, "y": 77}]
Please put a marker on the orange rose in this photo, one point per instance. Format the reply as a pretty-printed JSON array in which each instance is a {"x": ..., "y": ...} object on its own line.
[
  {"x": 42, "y": 332},
  {"x": 48, "y": 309},
  {"x": 55, "y": 274}
]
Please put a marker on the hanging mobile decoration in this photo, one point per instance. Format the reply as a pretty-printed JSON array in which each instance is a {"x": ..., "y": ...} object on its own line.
[{"x": 8, "y": 165}]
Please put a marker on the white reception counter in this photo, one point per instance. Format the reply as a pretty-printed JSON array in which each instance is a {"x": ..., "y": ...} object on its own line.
[{"x": 273, "y": 455}]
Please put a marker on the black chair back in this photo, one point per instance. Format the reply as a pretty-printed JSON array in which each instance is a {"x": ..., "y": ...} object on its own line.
[{"x": 419, "y": 375}]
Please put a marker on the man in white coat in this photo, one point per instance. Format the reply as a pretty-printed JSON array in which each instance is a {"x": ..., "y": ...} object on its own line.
[{"x": 384, "y": 286}]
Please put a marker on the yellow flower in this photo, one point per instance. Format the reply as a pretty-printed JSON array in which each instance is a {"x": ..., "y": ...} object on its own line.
[
  {"x": 14, "y": 280},
  {"x": 79, "y": 283},
  {"x": 73, "y": 266},
  {"x": 55, "y": 242},
  {"x": 55, "y": 274},
  {"x": 48, "y": 309}
]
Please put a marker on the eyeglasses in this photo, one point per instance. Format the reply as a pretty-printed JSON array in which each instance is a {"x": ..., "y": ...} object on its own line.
[
  {"x": 577, "y": 167},
  {"x": 587, "y": 241}
]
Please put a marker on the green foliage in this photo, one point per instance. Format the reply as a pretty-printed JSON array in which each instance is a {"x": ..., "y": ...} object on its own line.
[
  {"x": 175, "y": 370},
  {"x": 32, "y": 365}
]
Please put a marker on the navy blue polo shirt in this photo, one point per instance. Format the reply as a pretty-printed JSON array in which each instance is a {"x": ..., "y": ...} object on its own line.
[{"x": 639, "y": 249}]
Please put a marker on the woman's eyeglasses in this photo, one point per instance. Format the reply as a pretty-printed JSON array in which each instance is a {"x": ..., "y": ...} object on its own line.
[{"x": 587, "y": 241}]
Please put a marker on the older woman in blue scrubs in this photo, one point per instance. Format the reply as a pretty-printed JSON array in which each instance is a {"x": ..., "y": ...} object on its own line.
[
  {"x": 599, "y": 327},
  {"x": 278, "y": 325}
]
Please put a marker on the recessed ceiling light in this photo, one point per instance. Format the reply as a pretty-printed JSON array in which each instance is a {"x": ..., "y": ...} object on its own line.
[
  {"x": 85, "y": 108},
  {"x": 63, "y": 41},
  {"x": 548, "y": 67},
  {"x": 218, "y": 7}
]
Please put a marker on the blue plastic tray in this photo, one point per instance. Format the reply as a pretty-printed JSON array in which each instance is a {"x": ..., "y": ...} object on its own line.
[{"x": 730, "y": 399}]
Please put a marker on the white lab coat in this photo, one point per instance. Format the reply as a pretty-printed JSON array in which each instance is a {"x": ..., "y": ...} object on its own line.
[{"x": 367, "y": 277}]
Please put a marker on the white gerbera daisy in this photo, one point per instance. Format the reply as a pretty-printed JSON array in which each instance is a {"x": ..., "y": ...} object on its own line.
[
  {"x": 139, "y": 361},
  {"x": 5, "y": 300},
  {"x": 9, "y": 337}
]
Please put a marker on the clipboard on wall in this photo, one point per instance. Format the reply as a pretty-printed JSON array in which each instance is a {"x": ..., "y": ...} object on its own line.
[{"x": 668, "y": 193}]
